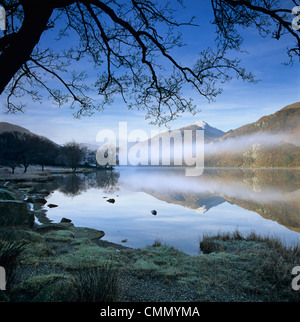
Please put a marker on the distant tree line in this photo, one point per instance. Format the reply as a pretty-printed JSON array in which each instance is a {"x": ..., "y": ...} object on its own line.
[{"x": 21, "y": 150}]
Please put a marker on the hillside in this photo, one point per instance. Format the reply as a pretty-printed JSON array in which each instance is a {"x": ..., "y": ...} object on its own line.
[
  {"x": 271, "y": 141},
  {"x": 210, "y": 133},
  {"x": 20, "y": 148},
  {"x": 8, "y": 127},
  {"x": 284, "y": 121}
]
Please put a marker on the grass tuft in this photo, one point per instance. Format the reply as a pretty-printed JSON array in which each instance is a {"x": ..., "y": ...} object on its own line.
[
  {"x": 95, "y": 283},
  {"x": 267, "y": 261}
]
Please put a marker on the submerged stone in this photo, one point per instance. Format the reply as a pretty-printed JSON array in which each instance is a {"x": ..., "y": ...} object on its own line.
[{"x": 51, "y": 205}]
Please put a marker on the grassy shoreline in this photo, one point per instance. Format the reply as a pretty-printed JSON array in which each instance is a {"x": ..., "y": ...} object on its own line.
[
  {"x": 36, "y": 174},
  {"x": 231, "y": 268}
]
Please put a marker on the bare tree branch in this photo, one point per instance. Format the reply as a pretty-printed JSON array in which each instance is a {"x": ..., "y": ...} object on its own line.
[{"x": 122, "y": 41}]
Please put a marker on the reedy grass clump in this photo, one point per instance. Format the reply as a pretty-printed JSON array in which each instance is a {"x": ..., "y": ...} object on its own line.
[
  {"x": 9, "y": 253},
  {"x": 268, "y": 260},
  {"x": 95, "y": 283}
]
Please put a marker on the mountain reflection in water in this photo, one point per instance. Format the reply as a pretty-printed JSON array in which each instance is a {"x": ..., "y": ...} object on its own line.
[{"x": 266, "y": 201}]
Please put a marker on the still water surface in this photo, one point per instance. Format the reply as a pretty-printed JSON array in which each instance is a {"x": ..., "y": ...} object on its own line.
[{"x": 221, "y": 200}]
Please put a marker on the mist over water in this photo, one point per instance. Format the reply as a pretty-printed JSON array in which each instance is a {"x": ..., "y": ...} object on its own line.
[
  {"x": 263, "y": 201},
  {"x": 242, "y": 143},
  {"x": 164, "y": 181}
]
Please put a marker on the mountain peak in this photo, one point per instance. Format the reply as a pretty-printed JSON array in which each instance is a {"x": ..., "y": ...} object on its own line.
[
  {"x": 201, "y": 124},
  {"x": 210, "y": 133}
]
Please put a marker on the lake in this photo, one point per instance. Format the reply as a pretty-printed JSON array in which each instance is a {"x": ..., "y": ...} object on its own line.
[{"x": 265, "y": 201}]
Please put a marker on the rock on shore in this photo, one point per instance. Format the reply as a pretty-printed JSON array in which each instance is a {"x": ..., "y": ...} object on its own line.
[
  {"x": 13, "y": 210},
  {"x": 75, "y": 232}
]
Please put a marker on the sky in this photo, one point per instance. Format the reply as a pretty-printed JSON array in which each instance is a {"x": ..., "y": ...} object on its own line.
[{"x": 239, "y": 104}]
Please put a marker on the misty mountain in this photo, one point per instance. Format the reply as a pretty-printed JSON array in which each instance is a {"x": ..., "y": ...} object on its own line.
[
  {"x": 166, "y": 148},
  {"x": 285, "y": 121},
  {"x": 271, "y": 141},
  {"x": 210, "y": 133}
]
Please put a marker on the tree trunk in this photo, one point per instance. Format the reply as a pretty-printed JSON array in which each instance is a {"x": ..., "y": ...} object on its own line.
[{"x": 36, "y": 16}]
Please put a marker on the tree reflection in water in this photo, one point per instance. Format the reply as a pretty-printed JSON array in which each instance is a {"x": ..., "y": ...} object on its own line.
[{"x": 76, "y": 184}]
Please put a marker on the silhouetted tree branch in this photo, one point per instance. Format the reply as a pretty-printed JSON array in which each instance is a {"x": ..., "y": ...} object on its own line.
[
  {"x": 266, "y": 16},
  {"x": 130, "y": 45}
]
